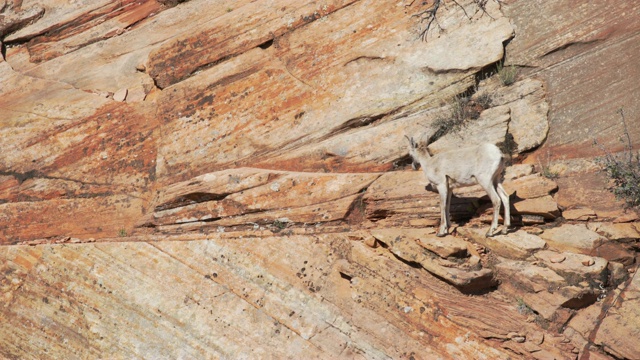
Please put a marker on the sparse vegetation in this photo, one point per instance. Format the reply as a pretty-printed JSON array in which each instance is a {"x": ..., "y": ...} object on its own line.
[
  {"x": 484, "y": 100},
  {"x": 523, "y": 308},
  {"x": 279, "y": 224},
  {"x": 546, "y": 171},
  {"x": 549, "y": 174},
  {"x": 462, "y": 110},
  {"x": 122, "y": 232},
  {"x": 452, "y": 123},
  {"x": 506, "y": 74},
  {"x": 623, "y": 169}
]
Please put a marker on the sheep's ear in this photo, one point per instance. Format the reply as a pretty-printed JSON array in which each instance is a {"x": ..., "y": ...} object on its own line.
[
  {"x": 413, "y": 143},
  {"x": 410, "y": 140}
]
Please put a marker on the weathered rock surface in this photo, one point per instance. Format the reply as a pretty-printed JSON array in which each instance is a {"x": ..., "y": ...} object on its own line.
[
  {"x": 544, "y": 206},
  {"x": 527, "y": 106},
  {"x": 516, "y": 245},
  {"x": 618, "y": 332},
  {"x": 529, "y": 187},
  {"x": 571, "y": 55},
  {"x": 573, "y": 237},
  {"x": 409, "y": 245},
  {"x": 226, "y": 179},
  {"x": 582, "y": 214}
]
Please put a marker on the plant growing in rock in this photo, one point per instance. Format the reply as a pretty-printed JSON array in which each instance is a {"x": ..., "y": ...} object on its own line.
[
  {"x": 462, "y": 109},
  {"x": 484, "y": 100},
  {"x": 453, "y": 122},
  {"x": 507, "y": 75},
  {"x": 546, "y": 171},
  {"x": 623, "y": 169},
  {"x": 280, "y": 224}
]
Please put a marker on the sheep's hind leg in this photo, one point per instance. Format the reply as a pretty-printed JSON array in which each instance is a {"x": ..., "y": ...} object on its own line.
[{"x": 495, "y": 200}]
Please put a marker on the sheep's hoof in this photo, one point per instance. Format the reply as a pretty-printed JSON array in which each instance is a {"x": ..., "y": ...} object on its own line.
[
  {"x": 505, "y": 230},
  {"x": 490, "y": 233},
  {"x": 441, "y": 234}
]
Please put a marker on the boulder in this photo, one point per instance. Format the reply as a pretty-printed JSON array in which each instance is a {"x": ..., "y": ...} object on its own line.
[
  {"x": 490, "y": 127},
  {"x": 531, "y": 186},
  {"x": 544, "y": 206},
  {"x": 247, "y": 196},
  {"x": 619, "y": 332},
  {"x": 575, "y": 268},
  {"x": 526, "y": 100},
  {"x": 615, "y": 251},
  {"x": 517, "y": 245},
  {"x": 616, "y": 231},
  {"x": 468, "y": 279},
  {"x": 572, "y": 237},
  {"x": 580, "y": 214},
  {"x": 445, "y": 247},
  {"x": 517, "y": 171}
]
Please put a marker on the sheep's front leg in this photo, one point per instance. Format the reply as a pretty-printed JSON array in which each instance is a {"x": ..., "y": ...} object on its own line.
[
  {"x": 495, "y": 200},
  {"x": 444, "y": 210},
  {"x": 448, "y": 208}
]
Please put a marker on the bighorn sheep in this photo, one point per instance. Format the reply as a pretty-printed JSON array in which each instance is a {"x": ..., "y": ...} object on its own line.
[{"x": 482, "y": 164}]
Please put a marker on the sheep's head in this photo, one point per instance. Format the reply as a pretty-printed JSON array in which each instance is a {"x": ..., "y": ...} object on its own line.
[{"x": 413, "y": 152}]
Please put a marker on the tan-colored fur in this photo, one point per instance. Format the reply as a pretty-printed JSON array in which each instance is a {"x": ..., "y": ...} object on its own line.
[{"x": 482, "y": 164}]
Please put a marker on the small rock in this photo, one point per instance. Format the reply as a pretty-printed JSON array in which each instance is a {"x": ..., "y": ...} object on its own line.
[
  {"x": 137, "y": 94},
  {"x": 588, "y": 262},
  {"x": 615, "y": 231},
  {"x": 572, "y": 237},
  {"x": 544, "y": 206},
  {"x": 532, "y": 186},
  {"x": 537, "y": 337},
  {"x": 556, "y": 259},
  {"x": 533, "y": 230},
  {"x": 617, "y": 272},
  {"x": 628, "y": 217},
  {"x": 532, "y": 220},
  {"x": 531, "y": 347},
  {"x": 518, "y": 171},
  {"x": 519, "y": 339},
  {"x": 120, "y": 95},
  {"x": 581, "y": 214}
]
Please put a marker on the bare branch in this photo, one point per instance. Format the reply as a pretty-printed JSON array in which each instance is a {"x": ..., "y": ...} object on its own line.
[{"x": 430, "y": 15}]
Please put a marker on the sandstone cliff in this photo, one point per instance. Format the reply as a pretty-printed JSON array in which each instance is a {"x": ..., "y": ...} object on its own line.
[{"x": 229, "y": 179}]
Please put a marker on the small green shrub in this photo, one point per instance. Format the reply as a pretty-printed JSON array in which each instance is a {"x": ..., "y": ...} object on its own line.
[
  {"x": 546, "y": 171},
  {"x": 623, "y": 169},
  {"x": 452, "y": 123},
  {"x": 122, "y": 232},
  {"x": 506, "y": 74},
  {"x": 523, "y": 308},
  {"x": 550, "y": 174},
  {"x": 485, "y": 100},
  {"x": 279, "y": 224}
]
